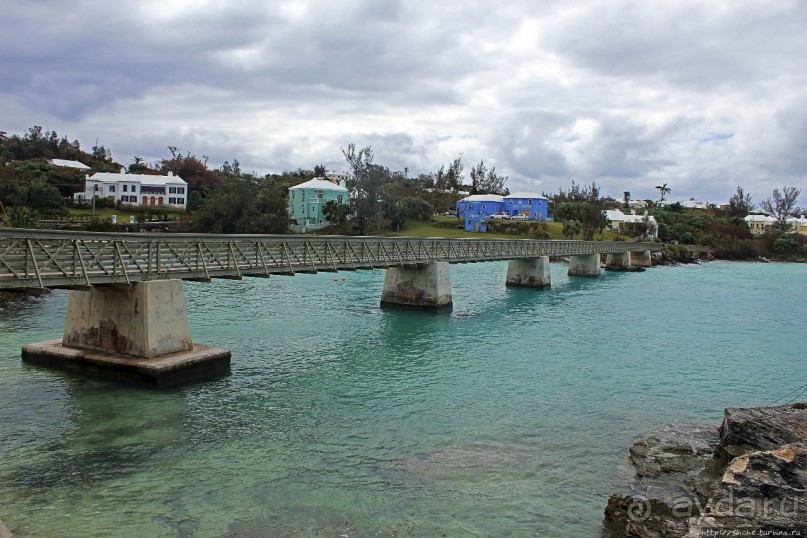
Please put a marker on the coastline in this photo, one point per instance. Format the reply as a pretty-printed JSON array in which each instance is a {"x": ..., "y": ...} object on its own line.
[{"x": 747, "y": 475}]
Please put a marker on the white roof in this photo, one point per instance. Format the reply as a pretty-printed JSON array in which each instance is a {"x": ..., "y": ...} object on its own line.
[
  {"x": 69, "y": 164},
  {"x": 759, "y": 218},
  {"x": 319, "y": 183},
  {"x": 483, "y": 198},
  {"x": 765, "y": 218},
  {"x": 143, "y": 179},
  {"x": 525, "y": 194},
  {"x": 615, "y": 215}
]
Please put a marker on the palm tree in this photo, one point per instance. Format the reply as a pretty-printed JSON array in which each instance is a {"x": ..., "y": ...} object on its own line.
[{"x": 663, "y": 190}]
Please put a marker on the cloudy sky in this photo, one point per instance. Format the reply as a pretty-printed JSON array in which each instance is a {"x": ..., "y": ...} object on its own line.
[{"x": 703, "y": 95}]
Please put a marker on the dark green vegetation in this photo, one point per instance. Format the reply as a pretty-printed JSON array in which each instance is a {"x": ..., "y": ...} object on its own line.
[
  {"x": 34, "y": 192},
  {"x": 726, "y": 231},
  {"x": 581, "y": 210}
]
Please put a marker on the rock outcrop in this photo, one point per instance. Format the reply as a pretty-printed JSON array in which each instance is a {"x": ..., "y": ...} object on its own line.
[{"x": 749, "y": 476}]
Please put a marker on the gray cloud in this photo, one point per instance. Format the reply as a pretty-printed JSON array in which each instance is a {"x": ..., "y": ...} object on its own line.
[{"x": 705, "y": 96}]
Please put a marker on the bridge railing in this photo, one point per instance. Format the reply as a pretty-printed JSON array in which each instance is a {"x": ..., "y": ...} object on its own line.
[{"x": 39, "y": 259}]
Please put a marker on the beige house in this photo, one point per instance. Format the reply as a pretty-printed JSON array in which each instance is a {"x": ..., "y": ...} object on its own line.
[{"x": 760, "y": 224}]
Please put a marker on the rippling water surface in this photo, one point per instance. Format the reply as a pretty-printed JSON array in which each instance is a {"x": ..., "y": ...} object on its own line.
[{"x": 512, "y": 415}]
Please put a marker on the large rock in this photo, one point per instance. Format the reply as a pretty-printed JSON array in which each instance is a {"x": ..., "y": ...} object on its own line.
[
  {"x": 751, "y": 474},
  {"x": 761, "y": 428}
]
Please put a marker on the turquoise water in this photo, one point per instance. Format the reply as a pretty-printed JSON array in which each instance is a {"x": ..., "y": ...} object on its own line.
[{"x": 510, "y": 416}]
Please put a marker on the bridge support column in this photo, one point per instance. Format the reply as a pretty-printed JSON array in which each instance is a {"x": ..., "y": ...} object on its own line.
[
  {"x": 618, "y": 261},
  {"x": 135, "y": 333},
  {"x": 641, "y": 258},
  {"x": 584, "y": 265},
  {"x": 529, "y": 273},
  {"x": 426, "y": 287}
]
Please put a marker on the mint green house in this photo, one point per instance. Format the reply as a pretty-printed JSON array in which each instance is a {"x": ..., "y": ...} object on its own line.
[{"x": 307, "y": 199}]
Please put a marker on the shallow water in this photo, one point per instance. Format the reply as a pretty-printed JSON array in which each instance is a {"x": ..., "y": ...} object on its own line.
[{"x": 512, "y": 415}]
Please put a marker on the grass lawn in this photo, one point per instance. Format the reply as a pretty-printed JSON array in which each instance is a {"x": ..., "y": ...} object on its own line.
[
  {"x": 123, "y": 214},
  {"x": 428, "y": 229}
]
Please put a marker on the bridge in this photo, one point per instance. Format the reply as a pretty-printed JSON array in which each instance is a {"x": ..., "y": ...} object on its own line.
[{"x": 127, "y": 312}]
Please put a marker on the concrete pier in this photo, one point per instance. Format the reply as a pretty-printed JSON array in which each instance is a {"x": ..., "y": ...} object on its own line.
[
  {"x": 640, "y": 258},
  {"x": 618, "y": 261},
  {"x": 143, "y": 320},
  {"x": 529, "y": 273},
  {"x": 422, "y": 286},
  {"x": 587, "y": 265},
  {"x": 137, "y": 332}
]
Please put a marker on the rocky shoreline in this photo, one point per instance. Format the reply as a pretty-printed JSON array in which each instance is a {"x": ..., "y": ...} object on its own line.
[{"x": 747, "y": 477}]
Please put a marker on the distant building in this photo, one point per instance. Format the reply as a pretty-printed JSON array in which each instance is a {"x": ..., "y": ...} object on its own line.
[
  {"x": 531, "y": 204},
  {"x": 337, "y": 177},
  {"x": 69, "y": 164},
  {"x": 692, "y": 203},
  {"x": 476, "y": 209},
  {"x": 760, "y": 224},
  {"x": 136, "y": 189},
  {"x": 619, "y": 221},
  {"x": 800, "y": 225},
  {"x": 637, "y": 204},
  {"x": 306, "y": 201}
]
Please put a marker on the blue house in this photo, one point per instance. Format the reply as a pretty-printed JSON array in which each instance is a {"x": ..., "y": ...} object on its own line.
[
  {"x": 531, "y": 204},
  {"x": 476, "y": 209}
]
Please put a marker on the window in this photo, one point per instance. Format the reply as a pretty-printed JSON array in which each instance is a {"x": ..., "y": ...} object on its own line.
[
  {"x": 180, "y": 190},
  {"x": 172, "y": 201},
  {"x": 112, "y": 188},
  {"x": 529, "y": 202},
  {"x": 172, "y": 190},
  {"x": 125, "y": 188},
  {"x": 339, "y": 198},
  {"x": 181, "y": 201}
]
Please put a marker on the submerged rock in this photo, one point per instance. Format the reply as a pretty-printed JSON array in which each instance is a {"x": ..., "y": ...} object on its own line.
[
  {"x": 748, "y": 475},
  {"x": 471, "y": 460}
]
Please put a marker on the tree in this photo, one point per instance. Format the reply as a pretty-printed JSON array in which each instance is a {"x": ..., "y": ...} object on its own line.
[
  {"x": 231, "y": 170},
  {"x": 582, "y": 204},
  {"x": 396, "y": 211},
  {"x": 451, "y": 179},
  {"x": 782, "y": 205},
  {"x": 100, "y": 152},
  {"x": 320, "y": 170},
  {"x": 368, "y": 182},
  {"x": 45, "y": 199},
  {"x": 663, "y": 190},
  {"x": 740, "y": 204},
  {"x": 336, "y": 213},
  {"x": 484, "y": 181},
  {"x": 243, "y": 206},
  {"x": 571, "y": 228},
  {"x": 137, "y": 165},
  {"x": 21, "y": 217}
]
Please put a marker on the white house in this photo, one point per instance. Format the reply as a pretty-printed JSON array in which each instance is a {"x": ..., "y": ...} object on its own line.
[
  {"x": 692, "y": 203},
  {"x": 136, "y": 189},
  {"x": 337, "y": 177},
  {"x": 69, "y": 164},
  {"x": 617, "y": 220}
]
